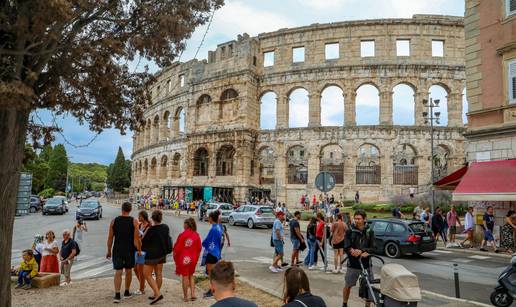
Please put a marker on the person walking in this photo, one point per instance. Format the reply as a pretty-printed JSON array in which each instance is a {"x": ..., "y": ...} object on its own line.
[
  {"x": 77, "y": 232},
  {"x": 278, "y": 239},
  {"x": 338, "y": 230},
  {"x": 357, "y": 197},
  {"x": 212, "y": 245},
  {"x": 468, "y": 227},
  {"x": 157, "y": 244},
  {"x": 143, "y": 226},
  {"x": 186, "y": 254},
  {"x": 438, "y": 225},
  {"x": 49, "y": 252},
  {"x": 310, "y": 239},
  {"x": 67, "y": 255},
  {"x": 296, "y": 291},
  {"x": 452, "y": 219},
  {"x": 488, "y": 223},
  {"x": 122, "y": 242},
  {"x": 359, "y": 244},
  {"x": 426, "y": 216},
  {"x": 508, "y": 228},
  {"x": 223, "y": 285},
  {"x": 296, "y": 238},
  {"x": 320, "y": 237}
]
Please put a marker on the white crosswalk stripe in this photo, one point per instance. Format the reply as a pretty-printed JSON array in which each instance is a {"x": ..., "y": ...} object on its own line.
[
  {"x": 442, "y": 251},
  {"x": 478, "y": 257},
  {"x": 93, "y": 272}
]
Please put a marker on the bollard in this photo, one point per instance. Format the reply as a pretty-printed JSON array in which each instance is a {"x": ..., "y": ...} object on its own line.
[{"x": 456, "y": 278}]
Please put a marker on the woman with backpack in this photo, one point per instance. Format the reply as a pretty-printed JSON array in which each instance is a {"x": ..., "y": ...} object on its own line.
[
  {"x": 296, "y": 290},
  {"x": 310, "y": 239}
]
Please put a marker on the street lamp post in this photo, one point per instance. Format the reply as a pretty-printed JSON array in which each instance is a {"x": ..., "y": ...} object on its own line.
[{"x": 430, "y": 116}]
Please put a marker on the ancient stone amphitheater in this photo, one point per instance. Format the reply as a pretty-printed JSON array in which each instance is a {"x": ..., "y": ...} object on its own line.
[{"x": 227, "y": 126}]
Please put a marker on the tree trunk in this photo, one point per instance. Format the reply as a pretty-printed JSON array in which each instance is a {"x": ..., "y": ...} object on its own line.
[{"x": 13, "y": 129}]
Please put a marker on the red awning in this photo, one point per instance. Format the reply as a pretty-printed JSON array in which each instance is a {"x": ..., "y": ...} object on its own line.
[
  {"x": 488, "y": 181},
  {"x": 451, "y": 181}
]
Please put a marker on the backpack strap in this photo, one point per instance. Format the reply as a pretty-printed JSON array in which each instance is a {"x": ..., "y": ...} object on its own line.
[{"x": 302, "y": 304}]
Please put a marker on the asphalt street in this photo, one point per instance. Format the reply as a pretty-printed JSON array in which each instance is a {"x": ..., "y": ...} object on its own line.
[{"x": 252, "y": 255}]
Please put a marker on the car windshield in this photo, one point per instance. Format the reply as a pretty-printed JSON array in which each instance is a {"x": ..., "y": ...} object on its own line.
[
  {"x": 212, "y": 207},
  {"x": 225, "y": 207},
  {"x": 418, "y": 227},
  {"x": 89, "y": 204},
  {"x": 266, "y": 209},
  {"x": 53, "y": 201}
]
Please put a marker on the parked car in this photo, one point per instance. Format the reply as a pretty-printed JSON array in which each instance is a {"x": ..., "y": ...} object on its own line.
[
  {"x": 395, "y": 237},
  {"x": 54, "y": 205},
  {"x": 35, "y": 204},
  {"x": 65, "y": 201},
  {"x": 224, "y": 208},
  {"x": 252, "y": 215},
  {"x": 89, "y": 209}
]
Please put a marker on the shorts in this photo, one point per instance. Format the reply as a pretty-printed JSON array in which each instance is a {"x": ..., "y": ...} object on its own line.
[
  {"x": 278, "y": 247},
  {"x": 453, "y": 230},
  {"x": 66, "y": 268},
  {"x": 352, "y": 275},
  {"x": 338, "y": 245},
  {"x": 155, "y": 261},
  {"x": 295, "y": 243},
  {"x": 121, "y": 262},
  {"x": 488, "y": 235},
  {"x": 210, "y": 259}
]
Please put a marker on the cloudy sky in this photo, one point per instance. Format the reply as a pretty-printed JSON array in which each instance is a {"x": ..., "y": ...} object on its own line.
[{"x": 254, "y": 17}]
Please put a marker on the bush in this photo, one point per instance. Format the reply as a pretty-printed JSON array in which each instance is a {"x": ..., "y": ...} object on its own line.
[
  {"x": 47, "y": 193},
  {"x": 59, "y": 193}
]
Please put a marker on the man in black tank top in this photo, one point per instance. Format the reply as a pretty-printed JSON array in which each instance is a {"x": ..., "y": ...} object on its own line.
[{"x": 123, "y": 230}]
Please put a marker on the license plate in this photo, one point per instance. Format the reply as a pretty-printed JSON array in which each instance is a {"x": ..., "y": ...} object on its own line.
[{"x": 426, "y": 238}]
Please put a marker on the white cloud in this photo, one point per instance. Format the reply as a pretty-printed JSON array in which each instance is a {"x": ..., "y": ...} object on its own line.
[
  {"x": 332, "y": 107},
  {"x": 298, "y": 108}
]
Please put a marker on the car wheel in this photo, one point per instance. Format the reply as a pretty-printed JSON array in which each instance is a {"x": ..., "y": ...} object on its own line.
[
  {"x": 231, "y": 221},
  {"x": 250, "y": 224},
  {"x": 32, "y": 210},
  {"x": 269, "y": 226},
  {"x": 501, "y": 298},
  {"x": 392, "y": 250}
]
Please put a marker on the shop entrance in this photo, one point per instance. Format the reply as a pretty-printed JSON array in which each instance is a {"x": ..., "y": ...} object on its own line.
[{"x": 223, "y": 194}]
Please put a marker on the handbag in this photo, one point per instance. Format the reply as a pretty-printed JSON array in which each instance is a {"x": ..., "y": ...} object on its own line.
[
  {"x": 139, "y": 259},
  {"x": 302, "y": 246}
]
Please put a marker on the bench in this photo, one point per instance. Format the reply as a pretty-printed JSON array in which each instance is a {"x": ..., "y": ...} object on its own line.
[{"x": 46, "y": 280}]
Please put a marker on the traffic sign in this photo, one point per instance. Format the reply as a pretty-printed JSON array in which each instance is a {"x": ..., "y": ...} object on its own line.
[{"x": 325, "y": 182}]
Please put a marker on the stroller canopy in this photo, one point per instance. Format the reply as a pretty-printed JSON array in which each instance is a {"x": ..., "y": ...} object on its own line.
[{"x": 399, "y": 283}]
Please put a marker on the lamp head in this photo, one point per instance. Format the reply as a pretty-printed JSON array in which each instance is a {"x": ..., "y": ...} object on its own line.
[
  {"x": 437, "y": 114},
  {"x": 425, "y": 102},
  {"x": 425, "y": 114},
  {"x": 436, "y": 102}
]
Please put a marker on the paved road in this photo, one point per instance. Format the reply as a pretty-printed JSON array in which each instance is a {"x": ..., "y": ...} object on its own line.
[{"x": 250, "y": 250}]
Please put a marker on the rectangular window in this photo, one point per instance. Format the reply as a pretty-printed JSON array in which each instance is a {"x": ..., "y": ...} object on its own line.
[
  {"x": 510, "y": 7},
  {"x": 298, "y": 54},
  {"x": 181, "y": 80},
  {"x": 168, "y": 86},
  {"x": 402, "y": 47},
  {"x": 331, "y": 51},
  {"x": 511, "y": 78},
  {"x": 367, "y": 48},
  {"x": 437, "y": 48},
  {"x": 268, "y": 58},
  {"x": 158, "y": 90}
]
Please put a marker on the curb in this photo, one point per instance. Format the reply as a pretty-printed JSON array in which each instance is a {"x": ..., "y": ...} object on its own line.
[
  {"x": 454, "y": 299},
  {"x": 260, "y": 287},
  {"x": 474, "y": 252}
]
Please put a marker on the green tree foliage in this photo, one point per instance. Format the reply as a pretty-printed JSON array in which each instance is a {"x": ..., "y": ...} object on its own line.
[
  {"x": 87, "y": 176},
  {"x": 45, "y": 153},
  {"x": 118, "y": 174},
  {"x": 57, "y": 169},
  {"x": 37, "y": 166}
]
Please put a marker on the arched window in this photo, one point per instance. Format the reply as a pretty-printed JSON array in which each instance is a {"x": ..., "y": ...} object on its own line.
[
  {"x": 200, "y": 162},
  {"x": 267, "y": 160},
  {"x": 179, "y": 120},
  {"x": 440, "y": 160},
  {"x": 154, "y": 164},
  {"x": 155, "y": 129},
  {"x": 176, "y": 166},
  {"x": 297, "y": 165},
  {"x": 202, "y": 114},
  {"x": 367, "y": 105},
  {"x": 403, "y": 105},
  {"x": 163, "y": 167},
  {"x": 332, "y": 106},
  {"x": 228, "y": 94},
  {"x": 439, "y": 92},
  {"x": 298, "y": 108},
  {"x": 368, "y": 169},
  {"x": 225, "y": 160},
  {"x": 405, "y": 170},
  {"x": 146, "y": 169},
  {"x": 268, "y": 103},
  {"x": 332, "y": 161},
  {"x": 165, "y": 126},
  {"x": 465, "y": 107}
]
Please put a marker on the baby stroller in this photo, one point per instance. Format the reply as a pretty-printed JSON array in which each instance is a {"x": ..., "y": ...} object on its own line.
[{"x": 398, "y": 287}]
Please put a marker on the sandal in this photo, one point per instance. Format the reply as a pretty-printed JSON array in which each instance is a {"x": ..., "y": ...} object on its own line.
[
  {"x": 159, "y": 298},
  {"x": 193, "y": 299}
]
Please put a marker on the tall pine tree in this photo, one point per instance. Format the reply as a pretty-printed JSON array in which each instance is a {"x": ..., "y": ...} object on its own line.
[
  {"x": 118, "y": 177},
  {"x": 57, "y": 169}
]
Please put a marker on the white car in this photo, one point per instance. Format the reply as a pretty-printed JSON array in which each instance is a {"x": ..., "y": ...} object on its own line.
[
  {"x": 252, "y": 216},
  {"x": 224, "y": 208}
]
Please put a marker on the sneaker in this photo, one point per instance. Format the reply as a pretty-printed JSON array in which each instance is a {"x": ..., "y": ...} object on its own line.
[
  {"x": 279, "y": 269},
  {"x": 312, "y": 267},
  {"x": 138, "y": 292},
  {"x": 335, "y": 271},
  {"x": 284, "y": 264},
  {"x": 483, "y": 250},
  {"x": 117, "y": 298},
  {"x": 127, "y": 294},
  {"x": 63, "y": 284},
  {"x": 26, "y": 287},
  {"x": 273, "y": 269},
  {"x": 18, "y": 286},
  {"x": 208, "y": 294}
]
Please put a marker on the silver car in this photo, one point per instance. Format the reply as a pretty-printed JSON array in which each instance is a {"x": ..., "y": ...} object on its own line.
[
  {"x": 252, "y": 216},
  {"x": 224, "y": 208}
]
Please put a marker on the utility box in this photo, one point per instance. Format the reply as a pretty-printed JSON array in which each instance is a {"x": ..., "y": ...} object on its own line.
[{"x": 24, "y": 191}]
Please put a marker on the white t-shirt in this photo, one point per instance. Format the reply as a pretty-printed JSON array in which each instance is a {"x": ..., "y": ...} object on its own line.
[{"x": 48, "y": 245}]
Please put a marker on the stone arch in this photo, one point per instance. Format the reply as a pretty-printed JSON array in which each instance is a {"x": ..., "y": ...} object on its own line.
[
  {"x": 201, "y": 162},
  {"x": 332, "y": 106},
  {"x": 403, "y": 104},
  {"x": 405, "y": 165},
  {"x": 202, "y": 109},
  {"x": 146, "y": 169},
  {"x": 331, "y": 160},
  {"x": 225, "y": 161},
  {"x": 228, "y": 94},
  {"x": 163, "y": 167},
  {"x": 440, "y": 91},
  {"x": 266, "y": 157},
  {"x": 165, "y": 126},
  {"x": 368, "y": 168},
  {"x": 179, "y": 121},
  {"x": 148, "y": 133},
  {"x": 268, "y": 105},
  {"x": 153, "y": 167},
  {"x": 155, "y": 129},
  {"x": 175, "y": 167},
  {"x": 298, "y": 105},
  {"x": 367, "y": 104},
  {"x": 297, "y": 162}
]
